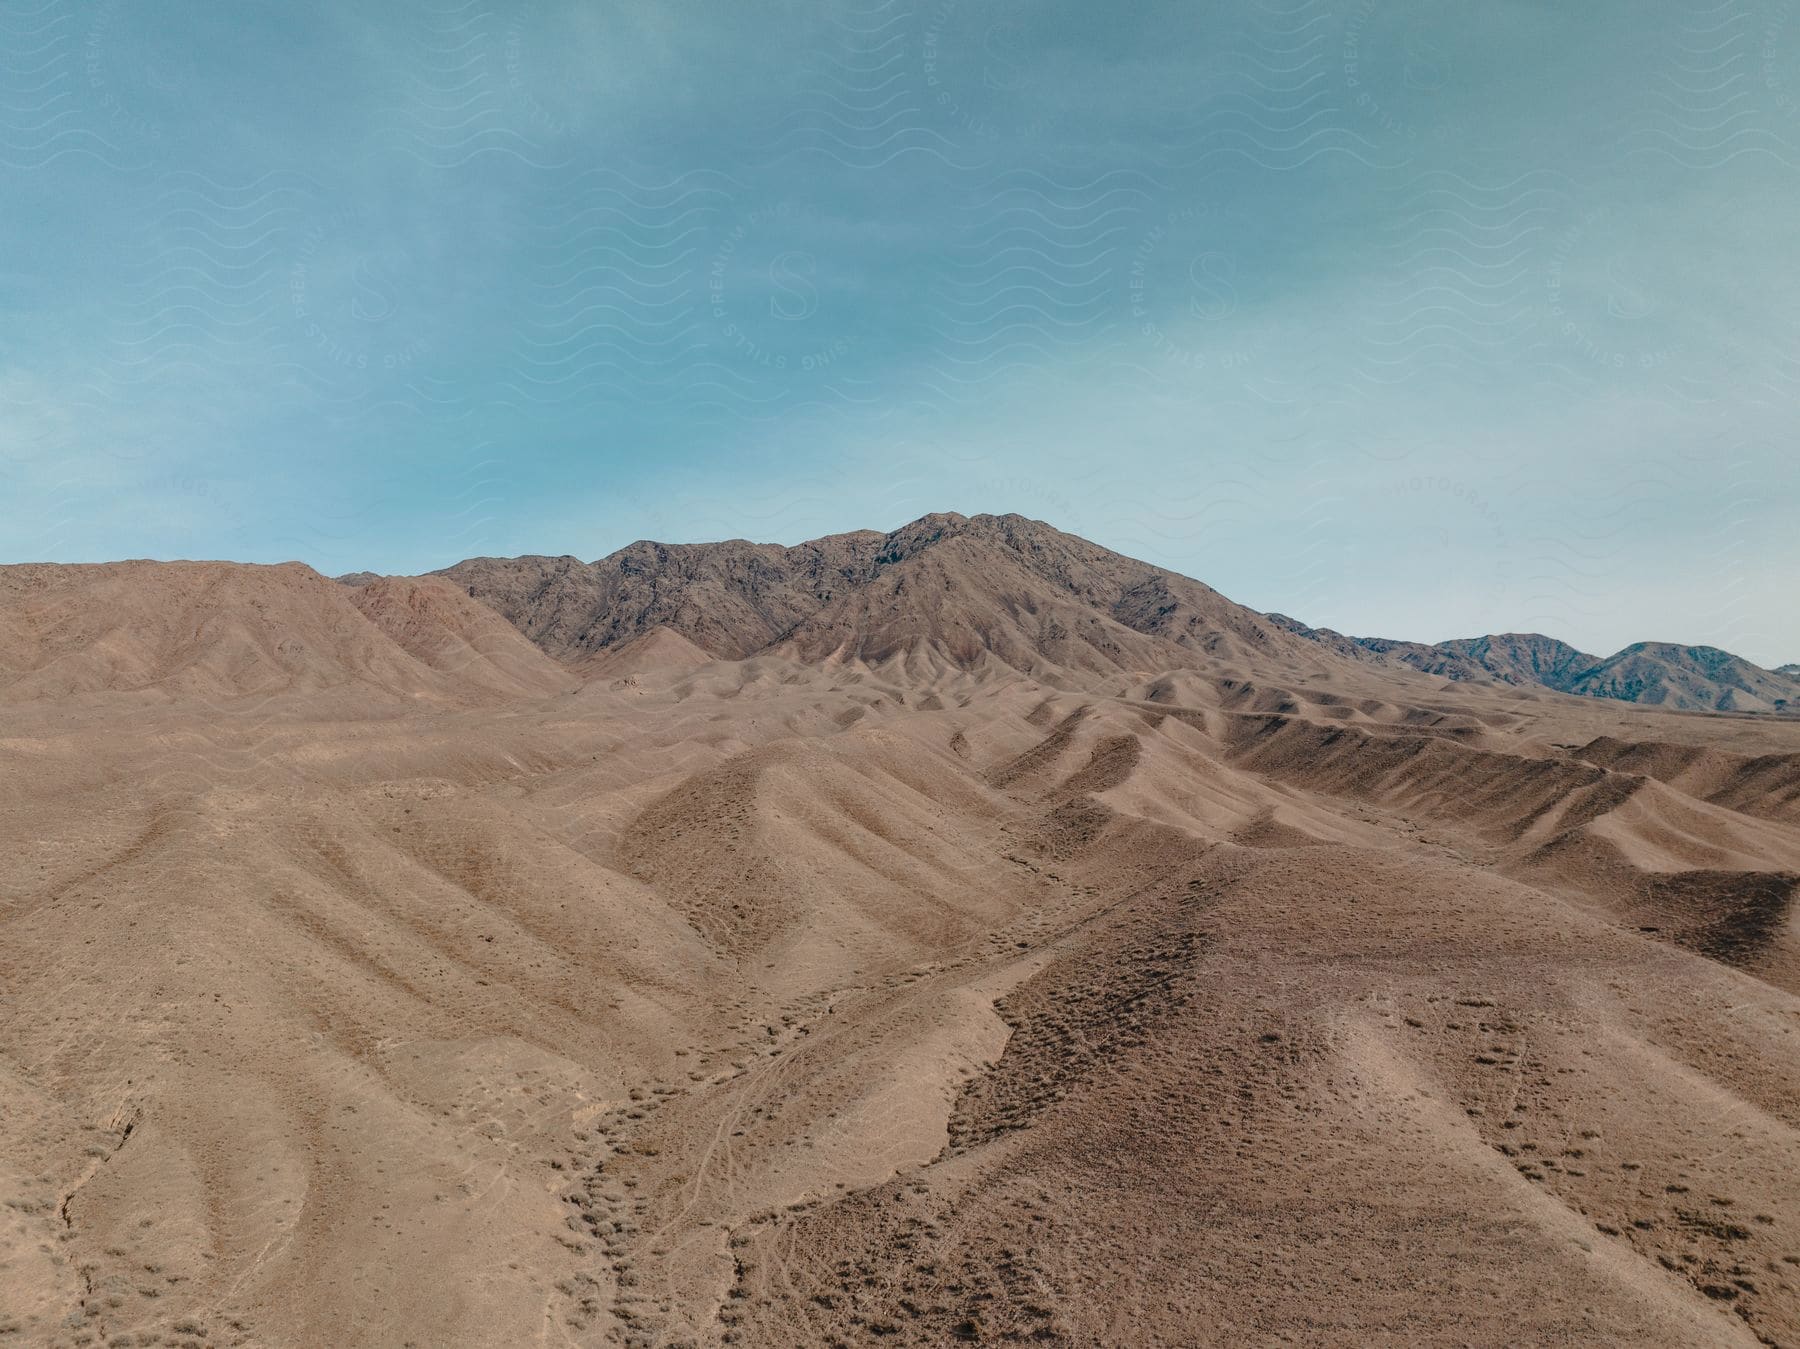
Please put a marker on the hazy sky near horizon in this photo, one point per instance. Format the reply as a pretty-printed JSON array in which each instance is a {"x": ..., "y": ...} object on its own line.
[{"x": 1405, "y": 317}]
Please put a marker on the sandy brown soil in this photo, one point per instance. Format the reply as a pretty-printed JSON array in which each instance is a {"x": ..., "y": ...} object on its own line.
[{"x": 368, "y": 978}]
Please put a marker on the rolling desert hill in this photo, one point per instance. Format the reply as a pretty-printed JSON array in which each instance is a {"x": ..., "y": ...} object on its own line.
[
  {"x": 956, "y": 936},
  {"x": 221, "y": 630}
]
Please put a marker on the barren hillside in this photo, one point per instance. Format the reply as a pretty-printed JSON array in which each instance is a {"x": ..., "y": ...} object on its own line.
[{"x": 954, "y": 936}]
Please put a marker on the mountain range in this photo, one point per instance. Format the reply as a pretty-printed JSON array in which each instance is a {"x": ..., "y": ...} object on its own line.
[
  {"x": 944, "y": 593},
  {"x": 1657, "y": 674},
  {"x": 1025, "y": 594}
]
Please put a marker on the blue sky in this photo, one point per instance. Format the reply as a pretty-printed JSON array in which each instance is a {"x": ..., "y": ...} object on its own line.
[{"x": 1406, "y": 318}]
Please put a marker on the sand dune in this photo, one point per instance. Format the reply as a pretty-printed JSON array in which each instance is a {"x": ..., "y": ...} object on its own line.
[{"x": 1015, "y": 945}]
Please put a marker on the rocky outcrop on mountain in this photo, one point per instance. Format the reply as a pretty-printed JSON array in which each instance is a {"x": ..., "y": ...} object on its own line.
[{"x": 967, "y": 588}]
